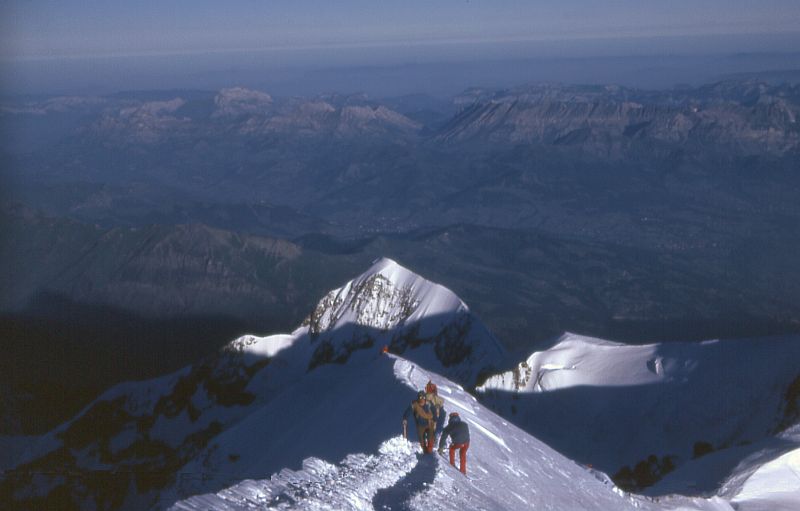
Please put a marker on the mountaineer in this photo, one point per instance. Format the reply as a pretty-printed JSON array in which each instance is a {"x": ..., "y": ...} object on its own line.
[
  {"x": 423, "y": 419},
  {"x": 437, "y": 408},
  {"x": 458, "y": 431}
]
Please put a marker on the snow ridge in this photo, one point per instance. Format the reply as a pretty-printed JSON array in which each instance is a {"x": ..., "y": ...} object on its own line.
[
  {"x": 399, "y": 476},
  {"x": 640, "y": 412},
  {"x": 579, "y": 360},
  {"x": 310, "y": 420}
]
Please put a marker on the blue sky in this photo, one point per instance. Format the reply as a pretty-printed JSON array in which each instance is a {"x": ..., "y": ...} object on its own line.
[{"x": 46, "y": 28}]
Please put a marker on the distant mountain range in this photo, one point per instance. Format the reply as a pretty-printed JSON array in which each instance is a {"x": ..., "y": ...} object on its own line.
[
  {"x": 613, "y": 212},
  {"x": 533, "y": 156},
  {"x": 611, "y": 122},
  {"x": 745, "y": 116}
]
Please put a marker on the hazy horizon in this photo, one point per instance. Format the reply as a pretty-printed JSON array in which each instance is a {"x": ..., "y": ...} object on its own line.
[
  {"x": 290, "y": 48},
  {"x": 69, "y": 28},
  {"x": 445, "y": 77}
]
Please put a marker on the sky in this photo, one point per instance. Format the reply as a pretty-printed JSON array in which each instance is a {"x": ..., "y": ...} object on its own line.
[
  {"x": 48, "y": 28},
  {"x": 70, "y": 46}
]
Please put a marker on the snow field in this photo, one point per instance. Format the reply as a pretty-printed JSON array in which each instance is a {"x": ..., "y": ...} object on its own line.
[
  {"x": 604, "y": 403},
  {"x": 325, "y": 436}
]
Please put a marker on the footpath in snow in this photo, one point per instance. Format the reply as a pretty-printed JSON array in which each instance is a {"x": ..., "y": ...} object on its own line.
[{"x": 507, "y": 469}]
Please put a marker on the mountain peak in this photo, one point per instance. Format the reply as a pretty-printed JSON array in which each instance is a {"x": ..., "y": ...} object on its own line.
[
  {"x": 392, "y": 306},
  {"x": 237, "y": 101},
  {"x": 383, "y": 297},
  {"x": 386, "y": 264}
]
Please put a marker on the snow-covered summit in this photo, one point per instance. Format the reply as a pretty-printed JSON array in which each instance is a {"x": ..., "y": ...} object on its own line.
[
  {"x": 389, "y": 305},
  {"x": 383, "y": 297},
  {"x": 392, "y": 306}
]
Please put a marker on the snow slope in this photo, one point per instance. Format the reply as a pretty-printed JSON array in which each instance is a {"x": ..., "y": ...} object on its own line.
[
  {"x": 774, "y": 486},
  {"x": 383, "y": 471},
  {"x": 724, "y": 471},
  {"x": 311, "y": 419},
  {"x": 615, "y": 405},
  {"x": 147, "y": 433},
  {"x": 507, "y": 468}
]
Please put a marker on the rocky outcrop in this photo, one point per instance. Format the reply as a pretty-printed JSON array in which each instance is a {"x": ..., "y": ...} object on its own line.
[
  {"x": 238, "y": 101},
  {"x": 244, "y": 112},
  {"x": 149, "y": 122},
  {"x": 157, "y": 271},
  {"x": 611, "y": 121},
  {"x": 145, "y": 431}
]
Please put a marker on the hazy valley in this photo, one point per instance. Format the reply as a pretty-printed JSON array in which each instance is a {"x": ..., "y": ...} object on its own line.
[{"x": 615, "y": 212}]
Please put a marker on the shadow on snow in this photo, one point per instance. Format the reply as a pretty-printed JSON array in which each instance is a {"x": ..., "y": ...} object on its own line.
[{"x": 399, "y": 496}]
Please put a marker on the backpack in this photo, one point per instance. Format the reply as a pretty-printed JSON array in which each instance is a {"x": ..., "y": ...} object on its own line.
[{"x": 433, "y": 398}]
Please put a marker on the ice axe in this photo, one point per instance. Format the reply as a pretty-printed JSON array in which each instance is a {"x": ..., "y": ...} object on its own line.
[{"x": 405, "y": 429}]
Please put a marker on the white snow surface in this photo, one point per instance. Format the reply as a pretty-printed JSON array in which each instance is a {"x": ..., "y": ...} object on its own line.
[
  {"x": 386, "y": 295},
  {"x": 774, "y": 486},
  {"x": 611, "y": 404},
  {"x": 259, "y": 347},
  {"x": 507, "y": 469},
  {"x": 578, "y": 360},
  {"x": 390, "y": 305},
  {"x": 328, "y": 436}
]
